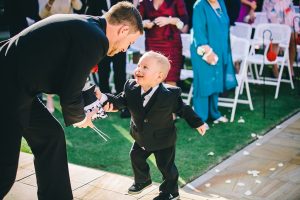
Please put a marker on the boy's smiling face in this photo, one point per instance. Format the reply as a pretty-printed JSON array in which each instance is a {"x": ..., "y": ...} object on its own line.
[{"x": 148, "y": 73}]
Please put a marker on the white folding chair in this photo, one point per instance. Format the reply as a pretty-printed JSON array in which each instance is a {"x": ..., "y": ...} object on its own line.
[
  {"x": 241, "y": 30},
  {"x": 137, "y": 46},
  {"x": 186, "y": 73},
  {"x": 260, "y": 18},
  {"x": 240, "y": 51},
  {"x": 281, "y": 35}
]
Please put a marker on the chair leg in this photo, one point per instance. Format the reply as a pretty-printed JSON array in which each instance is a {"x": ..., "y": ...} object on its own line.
[
  {"x": 290, "y": 75},
  {"x": 256, "y": 71},
  {"x": 248, "y": 94},
  {"x": 236, "y": 95},
  {"x": 190, "y": 95},
  {"x": 279, "y": 80},
  {"x": 251, "y": 71}
]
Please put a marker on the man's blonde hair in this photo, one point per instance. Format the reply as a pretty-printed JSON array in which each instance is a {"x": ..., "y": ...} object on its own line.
[
  {"x": 161, "y": 60},
  {"x": 125, "y": 13}
]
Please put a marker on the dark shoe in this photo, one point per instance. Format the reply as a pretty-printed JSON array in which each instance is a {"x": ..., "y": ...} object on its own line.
[
  {"x": 137, "y": 188},
  {"x": 166, "y": 196},
  {"x": 125, "y": 113}
]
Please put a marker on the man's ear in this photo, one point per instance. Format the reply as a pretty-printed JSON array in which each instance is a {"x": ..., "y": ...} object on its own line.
[{"x": 124, "y": 30}]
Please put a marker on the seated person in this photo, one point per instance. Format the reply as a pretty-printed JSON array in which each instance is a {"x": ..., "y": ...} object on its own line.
[{"x": 151, "y": 105}]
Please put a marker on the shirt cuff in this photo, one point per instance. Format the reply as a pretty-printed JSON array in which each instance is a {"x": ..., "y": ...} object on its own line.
[{"x": 103, "y": 98}]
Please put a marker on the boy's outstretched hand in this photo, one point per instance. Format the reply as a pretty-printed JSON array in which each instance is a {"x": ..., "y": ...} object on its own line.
[{"x": 202, "y": 129}]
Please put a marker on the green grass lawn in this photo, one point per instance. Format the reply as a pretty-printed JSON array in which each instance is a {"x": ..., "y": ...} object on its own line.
[{"x": 86, "y": 148}]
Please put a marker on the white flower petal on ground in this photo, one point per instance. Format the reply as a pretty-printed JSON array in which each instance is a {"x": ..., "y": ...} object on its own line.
[
  {"x": 280, "y": 164},
  {"x": 257, "y": 181},
  {"x": 246, "y": 153},
  {"x": 248, "y": 193},
  {"x": 278, "y": 127},
  {"x": 211, "y": 153},
  {"x": 228, "y": 181},
  {"x": 241, "y": 184},
  {"x": 253, "y": 135},
  {"x": 259, "y": 136},
  {"x": 217, "y": 170},
  {"x": 241, "y": 120},
  {"x": 253, "y": 172},
  {"x": 207, "y": 185},
  {"x": 272, "y": 169},
  {"x": 257, "y": 144}
]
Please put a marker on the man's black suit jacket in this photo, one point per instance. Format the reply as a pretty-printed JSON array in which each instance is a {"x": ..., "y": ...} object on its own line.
[
  {"x": 152, "y": 126},
  {"x": 53, "y": 56}
]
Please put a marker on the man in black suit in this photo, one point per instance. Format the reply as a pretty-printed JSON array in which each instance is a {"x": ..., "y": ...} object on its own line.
[
  {"x": 152, "y": 105},
  {"x": 54, "y": 56}
]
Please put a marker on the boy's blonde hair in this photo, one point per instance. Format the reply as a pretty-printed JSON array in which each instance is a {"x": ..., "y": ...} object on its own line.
[{"x": 162, "y": 61}]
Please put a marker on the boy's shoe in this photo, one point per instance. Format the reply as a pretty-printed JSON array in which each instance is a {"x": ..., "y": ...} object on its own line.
[
  {"x": 137, "y": 188},
  {"x": 221, "y": 119},
  {"x": 166, "y": 196}
]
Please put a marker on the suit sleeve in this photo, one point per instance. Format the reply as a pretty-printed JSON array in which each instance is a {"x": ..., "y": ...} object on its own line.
[
  {"x": 182, "y": 12},
  {"x": 200, "y": 26},
  {"x": 84, "y": 54},
  {"x": 119, "y": 101},
  {"x": 185, "y": 111}
]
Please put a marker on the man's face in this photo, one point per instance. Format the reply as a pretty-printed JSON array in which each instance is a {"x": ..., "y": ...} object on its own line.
[
  {"x": 147, "y": 72},
  {"x": 122, "y": 42}
]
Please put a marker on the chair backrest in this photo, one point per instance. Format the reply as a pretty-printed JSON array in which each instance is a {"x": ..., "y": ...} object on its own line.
[
  {"x": 139, "y": 45},
  {"x": 241, "y": 30},
  {"x": 240, "y": 51},
  {"x": 281, "y": 33},
  {"x": 260, "y": 18},
  {"x": 186, "y": 43}
]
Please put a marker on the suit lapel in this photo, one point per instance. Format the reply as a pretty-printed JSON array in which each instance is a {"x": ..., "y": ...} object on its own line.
[
  {"x": 153, "y": 98},
  {"x": 137, "y": 98}
]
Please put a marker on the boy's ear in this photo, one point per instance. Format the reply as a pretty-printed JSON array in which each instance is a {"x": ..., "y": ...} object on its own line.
[{"x": 161, "y": 76}]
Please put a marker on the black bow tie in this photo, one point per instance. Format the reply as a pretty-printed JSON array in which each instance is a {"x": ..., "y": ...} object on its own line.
[{"x": 145, "y": 94}]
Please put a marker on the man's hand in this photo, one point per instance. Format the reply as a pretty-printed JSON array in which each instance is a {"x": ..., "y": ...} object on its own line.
[
  {"x": 109, "y": 107},
  {"x": 201, "y": 129},
  {"x": 88, "y": 121}
]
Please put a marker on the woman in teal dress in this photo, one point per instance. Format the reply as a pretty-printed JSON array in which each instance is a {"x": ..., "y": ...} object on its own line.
[{"x": 211, "y": 32}]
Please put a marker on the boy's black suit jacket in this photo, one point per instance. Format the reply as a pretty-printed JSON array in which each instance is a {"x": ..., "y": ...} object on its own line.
[{"x": 152, "y": 126}]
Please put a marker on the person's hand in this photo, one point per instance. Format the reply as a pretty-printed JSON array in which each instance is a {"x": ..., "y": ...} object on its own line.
[
  {"x": 88, "y": 122},
  {"x": 211, "y": 59},
  {"x": 253, "y": 5},
  {"x": 162, "y": 21},
  {"x": 201, "y": 129},
  {"x": 109, "y": 107},
  {"x": 51, "y": 2},
  {"x": 148, "y": 24},
  {"x": 98, "y": 93}
]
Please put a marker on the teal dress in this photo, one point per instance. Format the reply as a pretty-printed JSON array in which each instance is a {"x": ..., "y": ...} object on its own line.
[{"x": 211, "y": 27}]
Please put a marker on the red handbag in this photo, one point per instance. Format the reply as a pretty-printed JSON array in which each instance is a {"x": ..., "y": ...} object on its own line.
[{"x": 271, "y": 55}]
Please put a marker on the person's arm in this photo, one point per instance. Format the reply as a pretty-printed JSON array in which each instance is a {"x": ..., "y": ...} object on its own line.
[
  {"x": 185, "y": 111},
  {"x": 76, "y": 4},
  {"x": 200, "y": 35},
  {"x": 251, "y": 4},
  {"x": 85, "y": 49}
]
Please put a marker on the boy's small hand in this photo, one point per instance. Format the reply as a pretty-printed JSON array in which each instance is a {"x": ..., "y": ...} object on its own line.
[{"x": 201, "y": 129}]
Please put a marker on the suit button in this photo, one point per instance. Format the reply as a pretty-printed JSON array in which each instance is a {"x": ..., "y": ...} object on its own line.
[{"x": 145, "y": 120}]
